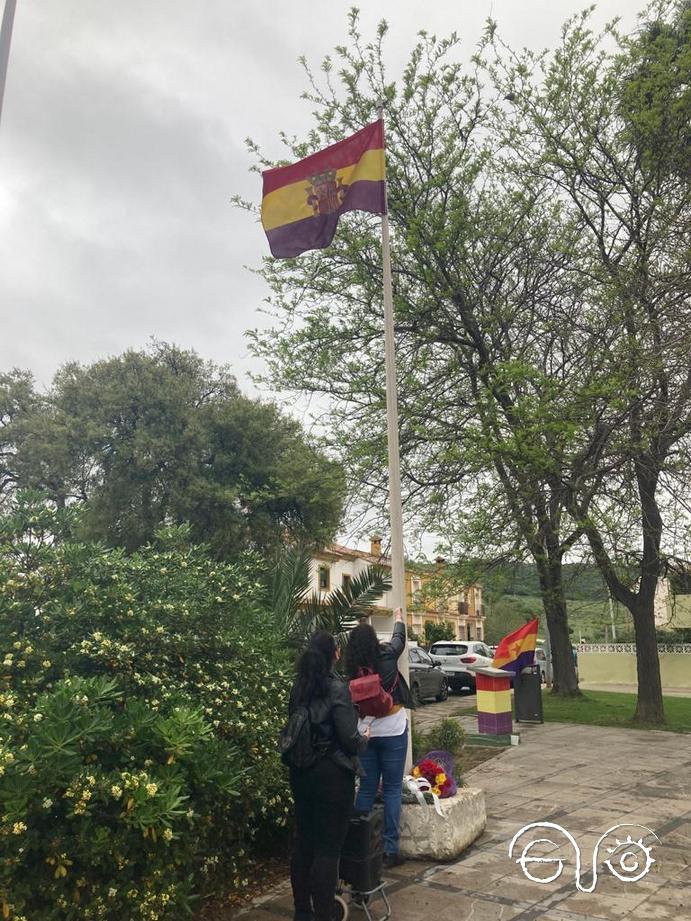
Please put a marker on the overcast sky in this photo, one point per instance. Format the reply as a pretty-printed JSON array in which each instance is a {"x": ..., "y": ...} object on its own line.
[{"x": 121, "y": 144}]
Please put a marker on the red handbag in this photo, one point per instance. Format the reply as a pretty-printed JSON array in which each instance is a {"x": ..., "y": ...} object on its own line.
[{"x": 368, "y": 694}]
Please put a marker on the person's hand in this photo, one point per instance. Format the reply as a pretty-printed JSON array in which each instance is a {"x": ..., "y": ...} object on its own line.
[
  {"x": 367, "y": 731},
  {"x": 398, "y": 615}
]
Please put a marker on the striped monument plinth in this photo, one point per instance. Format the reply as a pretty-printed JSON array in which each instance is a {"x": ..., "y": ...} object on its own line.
[{"x": 493, "y": 702}]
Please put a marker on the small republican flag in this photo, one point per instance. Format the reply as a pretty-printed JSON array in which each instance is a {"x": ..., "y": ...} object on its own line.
[
  {"x": 517, "y": 650},
  {"x": 302, "y": 203}
]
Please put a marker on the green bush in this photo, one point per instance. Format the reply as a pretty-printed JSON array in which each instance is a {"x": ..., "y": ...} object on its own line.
[
  {"x": 447, "y": 735},
  {"x": 435, "y": 632},
  {"x": 140, "y": 699}
]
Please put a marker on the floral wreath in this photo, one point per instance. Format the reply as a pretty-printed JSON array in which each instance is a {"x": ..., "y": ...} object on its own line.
[{"x": 441, "y": 783}]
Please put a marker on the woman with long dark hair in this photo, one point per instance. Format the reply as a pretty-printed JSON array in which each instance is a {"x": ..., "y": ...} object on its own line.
[
  {"x": 385, "y": 756},
  {"x": 323, "y": 792}
]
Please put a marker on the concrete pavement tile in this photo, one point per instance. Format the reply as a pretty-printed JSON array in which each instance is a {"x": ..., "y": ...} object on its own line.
[
  {"x": 676, "y": 895},
  {"x": 424, "y": 900},
  {"x": 519, "y": 888},
  {"x": 674, "y": 865},
  {"x": 679, "y": 837},
  {"x": 654, "y": 910},
  {"x": 260, "y": 914},
  {"x": 492, "y": 859},
  {"x": 610, "y": 906},
  {"x": 469, "y": 877},
  {"x": 479, "y": 909},
  {"x": 648, "y": 886}
]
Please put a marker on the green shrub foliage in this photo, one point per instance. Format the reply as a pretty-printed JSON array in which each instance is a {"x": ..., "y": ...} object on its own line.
[
  {"x": 447, "y": 735},
  {"x": 140, "y": 699}
]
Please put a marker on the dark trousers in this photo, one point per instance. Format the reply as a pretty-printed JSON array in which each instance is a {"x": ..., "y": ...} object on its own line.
[{"x": 323, "y": 806}]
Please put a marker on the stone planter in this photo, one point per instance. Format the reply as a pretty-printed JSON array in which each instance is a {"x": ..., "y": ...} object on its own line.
[{"x": 426, "y": 835}]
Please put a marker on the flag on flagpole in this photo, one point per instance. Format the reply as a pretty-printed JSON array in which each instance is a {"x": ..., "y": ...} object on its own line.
[
  {"x": 302, "y": 203},
  {"x": 517, "y": 650}
]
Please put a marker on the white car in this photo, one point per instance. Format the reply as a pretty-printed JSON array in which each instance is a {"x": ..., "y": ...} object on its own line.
[{"x": 455, "y": 656}]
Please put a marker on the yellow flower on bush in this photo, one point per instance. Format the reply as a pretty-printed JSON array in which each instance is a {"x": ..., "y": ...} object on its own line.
[
  {"x": 416, "y": 772},
  {"x": 440, "y": 779},
  {"x": 436, "y": 791}
]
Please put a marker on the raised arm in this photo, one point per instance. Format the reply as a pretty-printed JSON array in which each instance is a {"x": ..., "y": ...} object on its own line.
[{"x": 398, "y": 635}]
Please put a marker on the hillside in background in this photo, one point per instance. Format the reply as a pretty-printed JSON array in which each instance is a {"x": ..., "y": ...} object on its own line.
[
  {"x": 512, "y": 595},
  {"x": 582, "y": 582}
]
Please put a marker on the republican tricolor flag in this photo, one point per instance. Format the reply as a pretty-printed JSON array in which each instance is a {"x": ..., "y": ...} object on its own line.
[
  {"x": 517, "y": 650},
  {"x": 302, "y": 203}
]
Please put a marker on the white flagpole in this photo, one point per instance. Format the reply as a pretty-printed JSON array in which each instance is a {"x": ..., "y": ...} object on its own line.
[
  {"x": 395, "y": 505},
  {"x": 5, "y": 36}
]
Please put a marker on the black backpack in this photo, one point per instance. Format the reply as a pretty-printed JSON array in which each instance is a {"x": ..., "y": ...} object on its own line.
[{"x": 295, "y": 742}]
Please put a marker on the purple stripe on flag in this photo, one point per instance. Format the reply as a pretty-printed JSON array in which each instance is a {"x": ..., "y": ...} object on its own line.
[
  {"x": 524, "y": 660},
  {"x": 317, "y": 232},
  {"x": 497, "y": 724}
]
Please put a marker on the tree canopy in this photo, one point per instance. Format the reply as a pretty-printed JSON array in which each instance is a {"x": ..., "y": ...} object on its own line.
[
  {"x": 162, "y": 437},
  {"x": 539, "y": 293}
]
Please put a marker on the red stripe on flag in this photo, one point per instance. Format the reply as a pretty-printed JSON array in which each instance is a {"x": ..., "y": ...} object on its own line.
[{"x": 344, "y": 153}]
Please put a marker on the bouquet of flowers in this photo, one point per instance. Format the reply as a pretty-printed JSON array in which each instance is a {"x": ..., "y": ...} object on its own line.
[{"x": 436, "y": 768}]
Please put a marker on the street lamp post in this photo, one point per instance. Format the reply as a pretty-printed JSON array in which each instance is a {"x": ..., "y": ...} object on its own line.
[{"x": 5, "y": 37}]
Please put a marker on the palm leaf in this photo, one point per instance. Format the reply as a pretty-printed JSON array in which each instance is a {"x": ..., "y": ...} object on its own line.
[
  {"x": 290, "y": 581},
  {"x": 300, "y": 614}
]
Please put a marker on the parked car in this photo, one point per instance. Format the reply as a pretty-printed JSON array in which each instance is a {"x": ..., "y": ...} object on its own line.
[
  {"x": 455, "y": 657},
  {"x": 541, "y": 661},
  {"x": 426, "y": 678}
]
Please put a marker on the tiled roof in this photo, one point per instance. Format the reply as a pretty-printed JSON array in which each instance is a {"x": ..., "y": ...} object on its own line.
[{"x": 352, "y": 553}]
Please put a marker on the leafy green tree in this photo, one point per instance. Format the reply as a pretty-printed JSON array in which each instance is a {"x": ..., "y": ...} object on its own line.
[
  {"x": 438, "y": 631},
  {"x": 622, "y": 168},
  {"x": 540, "y": 291},
  {"x": 17, "y": 399},
  {"x": 163, "y": 437},
  {"x": 487, "y": 311}
]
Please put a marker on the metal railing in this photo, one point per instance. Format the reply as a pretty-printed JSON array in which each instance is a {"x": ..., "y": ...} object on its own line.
[{"x": 684, "y": 648}]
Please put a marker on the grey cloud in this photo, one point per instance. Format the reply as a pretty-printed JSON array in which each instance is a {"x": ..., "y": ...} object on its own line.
[{"x": 122, "y": 143}]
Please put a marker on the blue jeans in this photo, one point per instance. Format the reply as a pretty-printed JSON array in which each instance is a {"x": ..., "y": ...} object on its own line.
[{"x": 384, "y": 758}]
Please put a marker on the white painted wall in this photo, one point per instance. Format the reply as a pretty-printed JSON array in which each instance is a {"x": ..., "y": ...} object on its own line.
[{"x": 339, "y": 568}]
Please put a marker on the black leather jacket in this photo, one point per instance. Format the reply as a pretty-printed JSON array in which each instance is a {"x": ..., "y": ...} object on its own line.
[
  {"x": 387, "y": 667},
  {"x": 334, "y": 724}
]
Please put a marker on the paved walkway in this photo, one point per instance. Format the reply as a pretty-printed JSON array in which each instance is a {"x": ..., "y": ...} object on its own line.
[{"x": 585, "y": 779}]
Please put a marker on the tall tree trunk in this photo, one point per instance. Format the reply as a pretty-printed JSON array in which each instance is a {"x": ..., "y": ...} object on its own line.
[
  {"x": 565, "y": 682},
  {"x": 649, "y": 706}
]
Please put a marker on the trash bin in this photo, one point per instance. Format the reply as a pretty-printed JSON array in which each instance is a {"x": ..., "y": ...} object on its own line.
[
  {"x": 527, "y": 696},
  {"x": 363, "y": 851}
]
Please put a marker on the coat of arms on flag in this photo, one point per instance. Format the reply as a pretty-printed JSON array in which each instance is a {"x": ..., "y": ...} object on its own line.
[{"x": 302, "y": 203}]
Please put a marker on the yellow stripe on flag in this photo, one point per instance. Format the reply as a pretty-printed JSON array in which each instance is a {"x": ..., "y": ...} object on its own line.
[
  {"x": 494, "y": 701},
  {"x": 289, "y": 203}
]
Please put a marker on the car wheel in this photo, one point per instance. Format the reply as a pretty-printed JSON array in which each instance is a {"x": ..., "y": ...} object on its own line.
[
  {"x": 472, "y": 687},
  {"x": 415, "y": 692},
  {"x": 443, "y": 691}
]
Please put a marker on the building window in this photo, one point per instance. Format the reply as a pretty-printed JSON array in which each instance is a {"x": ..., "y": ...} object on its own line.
[
  {"x": 347, "y": 580},
  {"x": 323, "y": 578}
]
